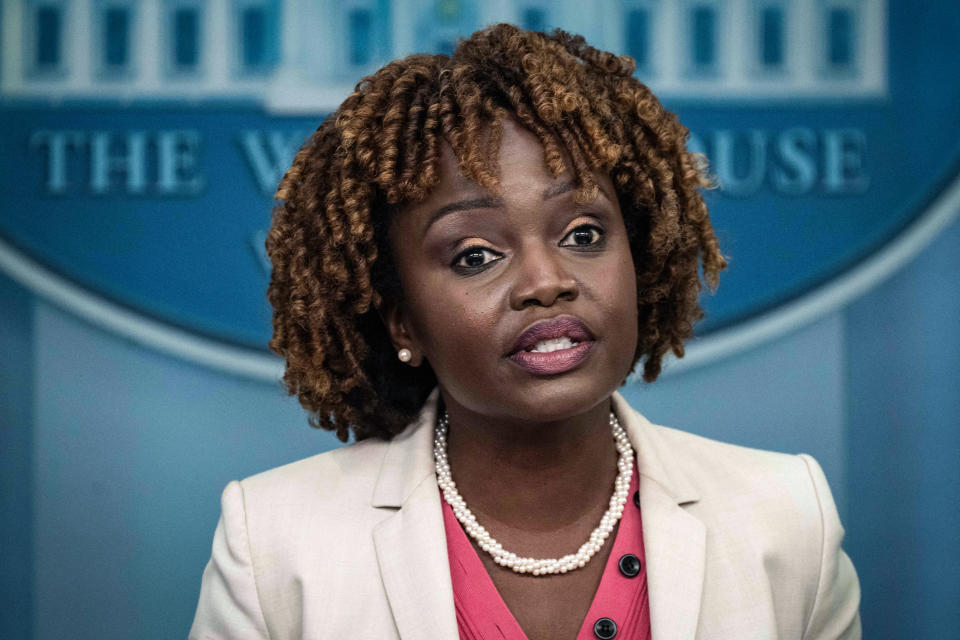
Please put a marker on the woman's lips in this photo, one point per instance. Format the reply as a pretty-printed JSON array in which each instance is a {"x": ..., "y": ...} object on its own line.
[
  {"x": 553, "y": 362},
  {"x": 559, "y": 360}
]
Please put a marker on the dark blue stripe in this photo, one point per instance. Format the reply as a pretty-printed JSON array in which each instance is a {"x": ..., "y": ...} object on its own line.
[{"x": 16, "y": 468}]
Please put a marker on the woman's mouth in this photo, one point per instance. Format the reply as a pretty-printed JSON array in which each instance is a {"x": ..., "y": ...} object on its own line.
[{"x": 553, "y": 346}]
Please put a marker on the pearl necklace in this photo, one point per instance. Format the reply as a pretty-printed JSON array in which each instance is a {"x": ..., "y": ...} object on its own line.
[{"x": 535, "y": 566}]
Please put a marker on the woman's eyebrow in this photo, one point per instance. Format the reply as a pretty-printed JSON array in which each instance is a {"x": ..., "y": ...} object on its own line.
[
  {"x": 486, "y": 202},
  {"x": 559, "y": 188}
]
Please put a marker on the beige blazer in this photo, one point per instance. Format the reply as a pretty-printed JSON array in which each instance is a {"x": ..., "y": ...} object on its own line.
[{"x": 740, "y": 544}]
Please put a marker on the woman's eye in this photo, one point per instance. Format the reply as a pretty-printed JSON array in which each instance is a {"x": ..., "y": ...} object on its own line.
[
  {"x": 475, "y": 257},
  {"x": 585, "y": 235}
]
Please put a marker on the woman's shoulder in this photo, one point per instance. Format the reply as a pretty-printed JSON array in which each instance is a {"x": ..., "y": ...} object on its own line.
[
  {"x": 782, "y": 495},
  {"x": 727, "y": 475},
  {"x": 307, "y": 512}
]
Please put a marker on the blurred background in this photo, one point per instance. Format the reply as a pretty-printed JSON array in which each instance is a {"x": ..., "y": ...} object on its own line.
[{"x": 140, "y": 145}]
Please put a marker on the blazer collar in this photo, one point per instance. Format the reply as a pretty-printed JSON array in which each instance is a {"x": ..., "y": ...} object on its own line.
[{"x": 411, "y": 543}]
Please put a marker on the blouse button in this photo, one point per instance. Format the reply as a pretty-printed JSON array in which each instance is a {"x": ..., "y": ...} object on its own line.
[
  {"x": 629, "y": 565},
  {"x": 605, "y": 628},
  {"x": 636, "y": 498}
]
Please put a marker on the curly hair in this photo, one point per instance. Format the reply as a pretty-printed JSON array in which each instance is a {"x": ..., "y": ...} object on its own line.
[{"x": 332, "y": 268}]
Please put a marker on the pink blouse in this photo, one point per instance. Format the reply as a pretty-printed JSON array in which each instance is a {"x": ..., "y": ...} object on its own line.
[{"x": 620, "y": 608}]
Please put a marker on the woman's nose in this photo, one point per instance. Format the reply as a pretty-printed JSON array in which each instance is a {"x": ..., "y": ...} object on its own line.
[{"x": 541, "y": 279}]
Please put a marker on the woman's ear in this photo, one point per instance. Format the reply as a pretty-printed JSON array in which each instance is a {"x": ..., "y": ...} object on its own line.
[{"x": 398, "y": 326}]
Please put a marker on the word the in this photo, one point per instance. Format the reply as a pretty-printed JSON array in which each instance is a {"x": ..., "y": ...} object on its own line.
[{"x": 163, "y": 163}]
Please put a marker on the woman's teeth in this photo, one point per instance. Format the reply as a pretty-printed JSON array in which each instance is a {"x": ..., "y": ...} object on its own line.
[{"x": 555, "y": 344}]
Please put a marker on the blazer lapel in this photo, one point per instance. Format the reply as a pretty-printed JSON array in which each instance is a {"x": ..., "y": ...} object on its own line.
[
  {"x": 412, "y": 551},
  {"x": 411, "y": 544},
  {"x": 674, "y": 540},
  {"x": 675, "y": 546}
]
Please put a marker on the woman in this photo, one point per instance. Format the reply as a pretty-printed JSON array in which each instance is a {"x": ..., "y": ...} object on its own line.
[{"x": 472, "y": 254}]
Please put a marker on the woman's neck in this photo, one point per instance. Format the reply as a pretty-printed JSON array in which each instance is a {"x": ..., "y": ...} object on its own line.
[{"x": 533, "y": 476}]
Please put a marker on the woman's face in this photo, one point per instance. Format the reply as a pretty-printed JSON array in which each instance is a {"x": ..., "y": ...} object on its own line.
[{"x": 524, "y": 304}]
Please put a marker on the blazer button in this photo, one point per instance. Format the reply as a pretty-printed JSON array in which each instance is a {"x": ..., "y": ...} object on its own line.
[
  {"x": 629, "y": 565},
  {"x": 605, "y": 628},
  {"x": 636, "y": 498}
]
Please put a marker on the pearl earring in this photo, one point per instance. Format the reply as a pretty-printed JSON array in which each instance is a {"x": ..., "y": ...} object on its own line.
[{"x": 404, "y": 355}]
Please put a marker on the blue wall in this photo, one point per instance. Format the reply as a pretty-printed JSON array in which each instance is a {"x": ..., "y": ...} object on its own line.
[
  {"x": 113, "y": 456},
  {"x": 903, "y": 454}
]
